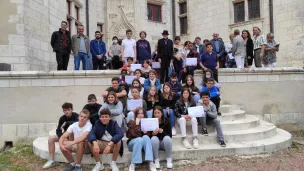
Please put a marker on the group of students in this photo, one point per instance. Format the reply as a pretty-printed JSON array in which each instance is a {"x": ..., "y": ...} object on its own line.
[{"x": 99, "y": 129}]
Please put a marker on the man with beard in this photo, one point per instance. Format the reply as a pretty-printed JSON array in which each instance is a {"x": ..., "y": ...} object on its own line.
[{"x": 98, "y": 50}]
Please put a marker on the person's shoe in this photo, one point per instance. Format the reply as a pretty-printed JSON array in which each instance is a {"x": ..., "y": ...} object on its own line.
[
  {"x": 69, "y": 168},
  {"x": 219, "y": 113},
  {"x": 132, "y": 167},
  {"x": 114, "y": 166},
  {"x": 98, "y": 167},
  {"x": 195, "y": 143},
  {"x": 205, "y": 132},
  {"x": 186, "y": 144},
  {"x": 222, "y": 143},
  {"x": 152, "y": 167},
  {"x": 156, "y": 163},
  {"x": 49, "y": 164},
  {"x": 169, "y": 163},
  {"x": 78, "y": 168},
  {"x": 173, "y": 131}
]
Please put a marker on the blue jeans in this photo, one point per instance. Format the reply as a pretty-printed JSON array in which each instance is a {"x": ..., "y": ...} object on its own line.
[
  {"x": 136, "y": 145},
  {"x": 172, "y": 117},
  {"x": 81, "y": 57},
  {"x": 130, "y": 116}
]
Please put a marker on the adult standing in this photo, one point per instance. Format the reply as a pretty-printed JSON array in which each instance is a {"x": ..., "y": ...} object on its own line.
[
  {"x": 210, "y": 61},
  {"x": 238, "y": 49},
  {"x": 98, "y": 50},
  {"x": 230, "y": 61},
  {"x": 115, "y": 53},
  {"x": 200, "y": 48},
  {"x": 249, "y": 48},
  {"x": 219, "y": 48},
  {"x": 165, "y": 55},
  {"x": 259, "y": 42},
  {"x": 81, "y": 48},
  {"x": 178, "y": 54},
  {"x": 128, "y": 47},
  {"x": 61, "y": 44},
  {"x": 143, "y": 48}
]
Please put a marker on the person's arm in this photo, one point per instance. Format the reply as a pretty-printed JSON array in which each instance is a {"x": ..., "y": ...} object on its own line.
[
  {"x": 105, "y": 93},
  {"x": 130, "y": 95},
  {"x": 94, "y": 54},
  {"x": 201, "y": 63},
  {"x": 104, "y": 49},
  {"x": 177, "y": 109},
  {"x": 58, "y": 130},
  {"x": 122, "y": 51},
  {"x": 53, "y": 39},
  {"x": 144, "y": 105},
  {"x": 122, "y": 93},
  {"x": 110, "y": 52},
  {"x": 63, "y": 137},
  {"x": 222, "y": 47},
  {"x": 234, "y": 46},
  {"x": 149, "y": 50},
  {"x": 92, "y": 135},
  {"x": 146, "y": 85},
  {"x": 118, "y": 109},
  {"x": 158, "y": 85},
  {"x": 118, "y": 134},
  {"x": 81, "y": 138},
  {"x": 214, "y": 93},
  {"x": 213, "y": 112},
  {"x": 135, "y": 52},
  {"x": 158, "y": 56}
]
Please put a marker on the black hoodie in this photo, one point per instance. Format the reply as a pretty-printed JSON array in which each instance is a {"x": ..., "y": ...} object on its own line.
[{"x": 68, "y": 121}]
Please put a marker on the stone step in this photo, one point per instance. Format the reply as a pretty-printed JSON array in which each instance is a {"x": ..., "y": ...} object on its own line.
[
  {"x": 232, "y": 115},
  {"x": 280, "y": 141}
]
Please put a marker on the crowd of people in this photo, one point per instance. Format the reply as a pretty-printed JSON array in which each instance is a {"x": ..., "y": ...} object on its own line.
[{"x": 166, "y": 90}]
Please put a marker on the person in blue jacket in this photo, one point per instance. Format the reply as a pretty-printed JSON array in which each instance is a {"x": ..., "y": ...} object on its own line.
[
  {"x": 106, "y": 138},
  {"x": 98, "y": 50},
  {"x": 214, "y": 93},
  {"x": 152, "y": 81},
  {"x": 143, "y": 48}
]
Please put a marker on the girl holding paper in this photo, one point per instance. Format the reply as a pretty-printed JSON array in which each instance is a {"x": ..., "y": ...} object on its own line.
[
  {"x": 194, "y": 91},
  {"x": 168, "y": 99},
  {"x": 152, "y": 99},
  {"x": 138, "y": 74},
  {"x": 136, "y": 84},
  {"x": 139, "y": 140},
  {"x": 162, "y": 138},
  {"x": 135, "y": 96},
  {"x": 181, "y": 113},
  {"x": 115, "y": 106}
]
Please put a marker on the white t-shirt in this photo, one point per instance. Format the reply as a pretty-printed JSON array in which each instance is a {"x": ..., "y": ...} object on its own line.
[
  {"x": 106, "y": 136},
  {"x": 74, "y": 128},
  {"x": 129, "y": 45}
]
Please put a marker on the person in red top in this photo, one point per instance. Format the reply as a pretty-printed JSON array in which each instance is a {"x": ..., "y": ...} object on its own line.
[{"x": 189, "y": 69}]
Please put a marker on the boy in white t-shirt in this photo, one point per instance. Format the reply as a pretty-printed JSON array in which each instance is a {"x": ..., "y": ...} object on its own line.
[
  {"x": 80, "y": 130},
  {"x": 128, "y": 47}
]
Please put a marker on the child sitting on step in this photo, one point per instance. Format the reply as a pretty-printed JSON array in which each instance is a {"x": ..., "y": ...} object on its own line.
[{"x": 93, "y": 107}]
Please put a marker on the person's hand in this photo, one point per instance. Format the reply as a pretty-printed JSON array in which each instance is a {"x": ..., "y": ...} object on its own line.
[
  {"x": 217, "y": 67},
  {"x": 96, "y": 149},
  {"x": 145, "y": 132},
  {"x": 63, "y": 125},
  {"x": 99, "y": 57},
  {"x": 159, "y": 60},
  {"x": 261, "y": 55},
  {"x": 218, "y": 55},
  {"x": 185, "y": 70},
  {"x": 68, "y": 144},
  {"x": 155, "y": 132},
  {"x": 106, "y": 151},
  {"x": 218, "y": 92},
  {"x": 160, "y": 130},
  {"x": 205, "y": 69},
  {"x": 129, "y": 70},
  {"x": 187, "y": 117},
  {"x": 249, "y": 57},
  {"x": 62, "y": 147},
  {"x": 168, "y": 111}
]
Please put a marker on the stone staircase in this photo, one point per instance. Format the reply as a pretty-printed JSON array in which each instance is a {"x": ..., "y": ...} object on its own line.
[{"x": 244, "y": 135}]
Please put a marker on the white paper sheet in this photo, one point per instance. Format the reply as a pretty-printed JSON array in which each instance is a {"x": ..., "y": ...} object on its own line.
[
  {"x": 197, "y": 111},
  {"x": 135, "y": 67},
  {"x": 155, "y": 65},
  {"x": 230, "y": 56},
  {"x": 191, "y": 61},
  {"x": 129, "y": 79},
  {"x": 149, "y": 124},
  {"x": 133, "y": 104}
]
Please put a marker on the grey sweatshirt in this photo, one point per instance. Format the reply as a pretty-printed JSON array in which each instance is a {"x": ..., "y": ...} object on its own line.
[
  {"x": 210, "y": 110},
  {"x": 114, "y": 109}
]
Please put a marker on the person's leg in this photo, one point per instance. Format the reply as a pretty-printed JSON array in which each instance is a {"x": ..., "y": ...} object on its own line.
[
  {"x": 147, "y": 145},
  {"x": 194, "y": 126},
  {"x": 66, "y": 58},
  {"x": 130, "y": 116},
  {"x": 116, "y": 149},
  {"x": 76, "y": 62},
  {"x": 96, "y": 155},
  {"x": 155, "y": 146},
  {"x": 250, "y": 61},
  {"x": 191, "y": 70},
  {"x": 51, "y": 144},
  {"x": 85, "y": 59},
  {"x": 166, "y": 73},
  {"x": 79, "y": 152},
  {"x": 180, "y": 75},
  {"x": 238, "y": 62},
  {"x": 215, "y": 75},
  {"x": 68, "y": 153},
  {"x": 257, "y": 59},
  {"x": 182, "y": 125},
  {"x": 95, "y": 63},
  {"x": 59, "y": 59},
  {"x": 216, "y": 122},
  {"x": 136, "y": 146},
  {"x": 243, "y": 61},
  {"x": 166, "y": 144},
  {"x": 172, "y": 117},
  {"x": 216, "y": 101},
  {"x": 203, "y": 122}
]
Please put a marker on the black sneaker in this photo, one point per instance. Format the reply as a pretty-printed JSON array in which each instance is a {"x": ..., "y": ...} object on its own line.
[
  {"x": 222, "y": 144},
  {"x": 205, "y": 132},
  {"x": 219, "y": 113}
]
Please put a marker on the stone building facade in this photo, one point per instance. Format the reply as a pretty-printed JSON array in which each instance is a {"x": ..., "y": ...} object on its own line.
[{"x": 27, "y": 25}]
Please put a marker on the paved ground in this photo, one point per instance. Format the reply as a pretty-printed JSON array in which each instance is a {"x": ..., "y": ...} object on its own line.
[{"x": 22, "y": 158}]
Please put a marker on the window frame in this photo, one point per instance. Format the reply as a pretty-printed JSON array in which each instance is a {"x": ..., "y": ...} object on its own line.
[
  {"x": 77, "y": 12},
  {"x": 180, "y": 24},
  {"x": 69, "y": 6},
  {"x": 100, "y": 28},
  {"x": 250, "y": 10},
  {"x": 234, "y": 11},
  {"x": 154, "y": 13},
  {"x": 180, "y": 5}
]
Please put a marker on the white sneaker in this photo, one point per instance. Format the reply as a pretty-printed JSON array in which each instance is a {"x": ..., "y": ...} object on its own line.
[
  {"x": 98, "y": 167},
  {"x": 186, "y": 144},
  {"x": 132, "y": 167},
  {"x": 169, "y": 163},
  {"x": 152, "y": 166},
  {"x": 195, "y": 143},
  {"x": 156, "y": 163},
  {"x": 114, "y": 166},
  {"x": 173, "y": 131},
  {"x": 49, "y": 164}
]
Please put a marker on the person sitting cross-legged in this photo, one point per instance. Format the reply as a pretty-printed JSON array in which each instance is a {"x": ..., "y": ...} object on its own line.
[
  {"x": 105, "y": 138},
  {"x": 139, "y": 141},
  {"x": 214, "y": 94},
  {"x": 211, "y": 117},
  {"x": 80, "y": 131},
  {"x": 65, "y": 121}
]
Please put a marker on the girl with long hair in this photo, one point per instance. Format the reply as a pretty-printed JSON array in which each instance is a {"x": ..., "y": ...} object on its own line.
[
  {"x": 152, "y": 99},
  {"x": 194, "y": 91}
]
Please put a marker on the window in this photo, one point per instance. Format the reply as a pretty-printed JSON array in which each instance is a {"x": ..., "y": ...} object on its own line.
[
  {"x": 77, "y": 13},
  {"x": 100, "y": 28},
  {"x": 253, "y": 9},
  {"x": 183, "y": 8},
  {"x": 154, "y": 12},
  {"x": 239, "y": 12},
  {"x": 69, "y": 7},
  {"x": 183, "y": 25},
  {"x": 69, "y": 20}
]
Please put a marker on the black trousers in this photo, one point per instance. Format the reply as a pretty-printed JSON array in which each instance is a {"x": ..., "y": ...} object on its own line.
[
  {"x": 62, "y": 59},
  {"x": 216, "y": 101},
  {"x": 215, "y": 74},
  {"x": 164, "y": 72},
  {"x": 98, "y": 64}
]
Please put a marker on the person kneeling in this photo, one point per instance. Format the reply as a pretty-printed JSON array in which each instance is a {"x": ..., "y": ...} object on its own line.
[
  {"x": 139, "y": 140},
  {"x": 211, "y": 117},
  {"x": 80, "y": 130},
  {"x": 106, "y": 138},
  {"x": 162, "y": 137}
]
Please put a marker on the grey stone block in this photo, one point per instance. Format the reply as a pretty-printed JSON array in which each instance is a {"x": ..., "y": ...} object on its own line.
[
  {"x": 36, "y": 129},
  {"x": 9, "y": 132},
  {"x": 22, "y": 130}
]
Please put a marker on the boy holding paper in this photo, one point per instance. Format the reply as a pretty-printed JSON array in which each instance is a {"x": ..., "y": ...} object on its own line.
[
  {"x": 210, "y": 117},
  {"x": 189, "y": 68}
]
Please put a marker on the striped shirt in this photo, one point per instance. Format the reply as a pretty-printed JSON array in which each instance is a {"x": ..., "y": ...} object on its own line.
[{"x": 258, "y": 41}]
